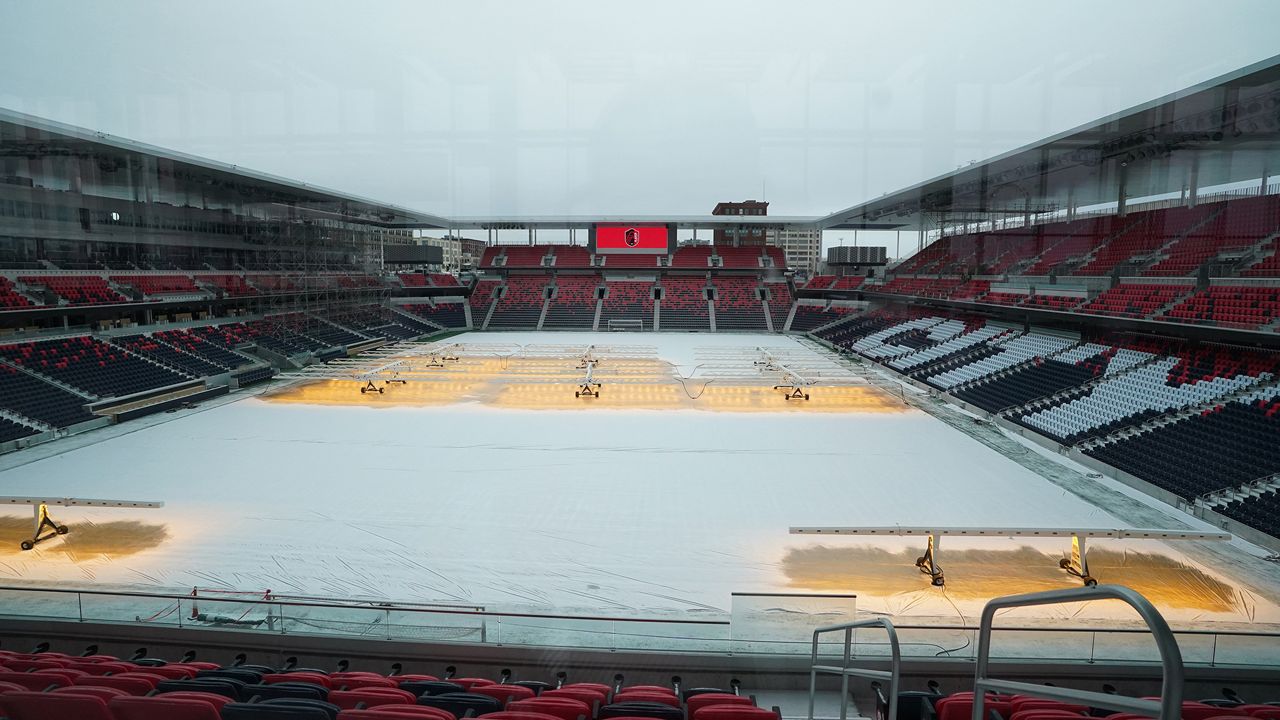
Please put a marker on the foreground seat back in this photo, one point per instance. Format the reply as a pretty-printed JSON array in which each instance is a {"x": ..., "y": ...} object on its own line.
[
  {"x": 370, "y": 697},
  {"x": 659, "y": 711},
  {"x": 561, "y": 707},
  {"x": 262, "y": 711},
  {"x": 460, "y": 703},
  {"x": 697, "y": 702},
  {"x": 162, "y": 707},
  {"x": 50, "y": 706}
]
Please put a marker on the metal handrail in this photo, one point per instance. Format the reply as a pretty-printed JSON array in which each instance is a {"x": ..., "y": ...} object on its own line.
[
  {"x": 1168, "y": 707},
  {"x": 845, "y": 671}
]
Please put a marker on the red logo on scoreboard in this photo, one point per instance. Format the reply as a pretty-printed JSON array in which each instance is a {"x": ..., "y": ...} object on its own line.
[{"x": 638, "y": 238}]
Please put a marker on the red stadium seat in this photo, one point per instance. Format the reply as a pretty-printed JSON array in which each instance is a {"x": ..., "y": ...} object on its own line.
[
  {"x": 697, "y": 702},
  {"x": 163, "y": 707},
  {"x": 33, "y": 681},
  {"x": 105, "y": 667},
  {"x": 519, "y": 715},
  {"x": 30, "y": 665},
  {"x": 733, "y": 712},
  {"x": 413, "y": 677},
  {"x": 959, "y": 706},
  {"x": 647, "y": 696},
  {"x": 504, "y": 693},
  {"x": 106, "y": 693},
  {"x": 355, "y": 683},
  {"x": 168, "y": 672},
  {"x": 298, "y": 677},
  {"x": 565, "y": 708},
  {"x": 1266, "y": 712},
  {"x": 396, "y": 712},
  {"x": 1043, "y": 714},
  {"x": 51, "y": 706},
  {"x": 650, "y": 688},
  {"x": 1020, "y": 703},
  {"x": 131, "y": 685},
  {"x": 469, "y": 682},
  {"x": 590, "y": 696},
  {"x": 370, "y": 697},
  {"x": 214, "y": 699}
]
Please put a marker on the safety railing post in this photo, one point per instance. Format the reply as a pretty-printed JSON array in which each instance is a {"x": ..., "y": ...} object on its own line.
[
  {"x": 845, "y": 669},
  {"x": 1169, "y": 705}
]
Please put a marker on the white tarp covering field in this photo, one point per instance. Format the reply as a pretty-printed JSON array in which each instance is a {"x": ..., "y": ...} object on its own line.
[{"x": 604, "y": 511}]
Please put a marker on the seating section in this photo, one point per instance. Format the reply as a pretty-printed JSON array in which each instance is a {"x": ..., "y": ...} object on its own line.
[
  {"x": 273, "y": 283},
  {"x": 1022, "y": 349},
  {"x": 1222, "y": 447},
  {"x": 737, "y": 305},
  {"x": 521, "y": 305},
  {"x": 1053, "y": 302},
  {"x": 91, "y": 365},
  {"x": 1268, "y": 265},
  {"x": 481, "y": 297},
  {"x": 1229, "y": 306},
  {"x": 684, "y": 304},
  {"x": 627, "y": 301},
  {"x": 574, "y": 304},
  {"x": 158, "y": 284},
  {"x": 1134, "y": 300},
  {"x": 738, "y": 257},
  {"x": 820, "y": 282},
  {"x": 849, "y": 282},
  {"x": 379, "y": 322},
  {"x": 413, "y": 280},
  {"x": 196, "y": 342},
  {"x": 1040, "y": 379},
  {"x": 450, "y": 315},
  {"x": 168, "y": 355},
  {"x": 811, "y": 317},
  {"x": 10, "y": 298},
  {"x": 1157, "y": 384},
  {"x": 443, "y": 280},
  {"x": 974, "y": 335},
  {"x": 1003, "y": 298},
  {"x": 525, "y": 256},
  {"x": 693, "y": 256},
  {"x": 231, "y": 285},
  {"x": 11, "y": 430},
  {"x": 571, "y": 256},
  {"x": 78, "y": 289},
  {"x": 1261, "y": 512},
  {"x": 55, "y": 686},
  {"x": 780, "y": 301}
]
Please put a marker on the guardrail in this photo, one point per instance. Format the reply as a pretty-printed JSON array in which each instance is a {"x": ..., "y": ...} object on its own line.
[
  {"x": 845, "y": 671},
  {"x": 1169, "y": 706},
  {"x": 376, "y": 619}
]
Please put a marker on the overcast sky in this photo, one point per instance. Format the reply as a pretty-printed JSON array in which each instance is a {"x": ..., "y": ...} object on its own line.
[{"x": 538, "y": 108}]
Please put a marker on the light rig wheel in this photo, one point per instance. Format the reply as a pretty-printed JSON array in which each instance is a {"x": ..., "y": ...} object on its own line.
[
  {"x": 27, "y": 545},
  {"x": 62, "y": 529}
]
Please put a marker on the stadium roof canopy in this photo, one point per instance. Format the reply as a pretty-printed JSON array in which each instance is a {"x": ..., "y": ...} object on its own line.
[
  {"x": 1220, "y": 132},
  {"x": 38, "y": 139},
  {"x": 1223, "y": 131}
]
